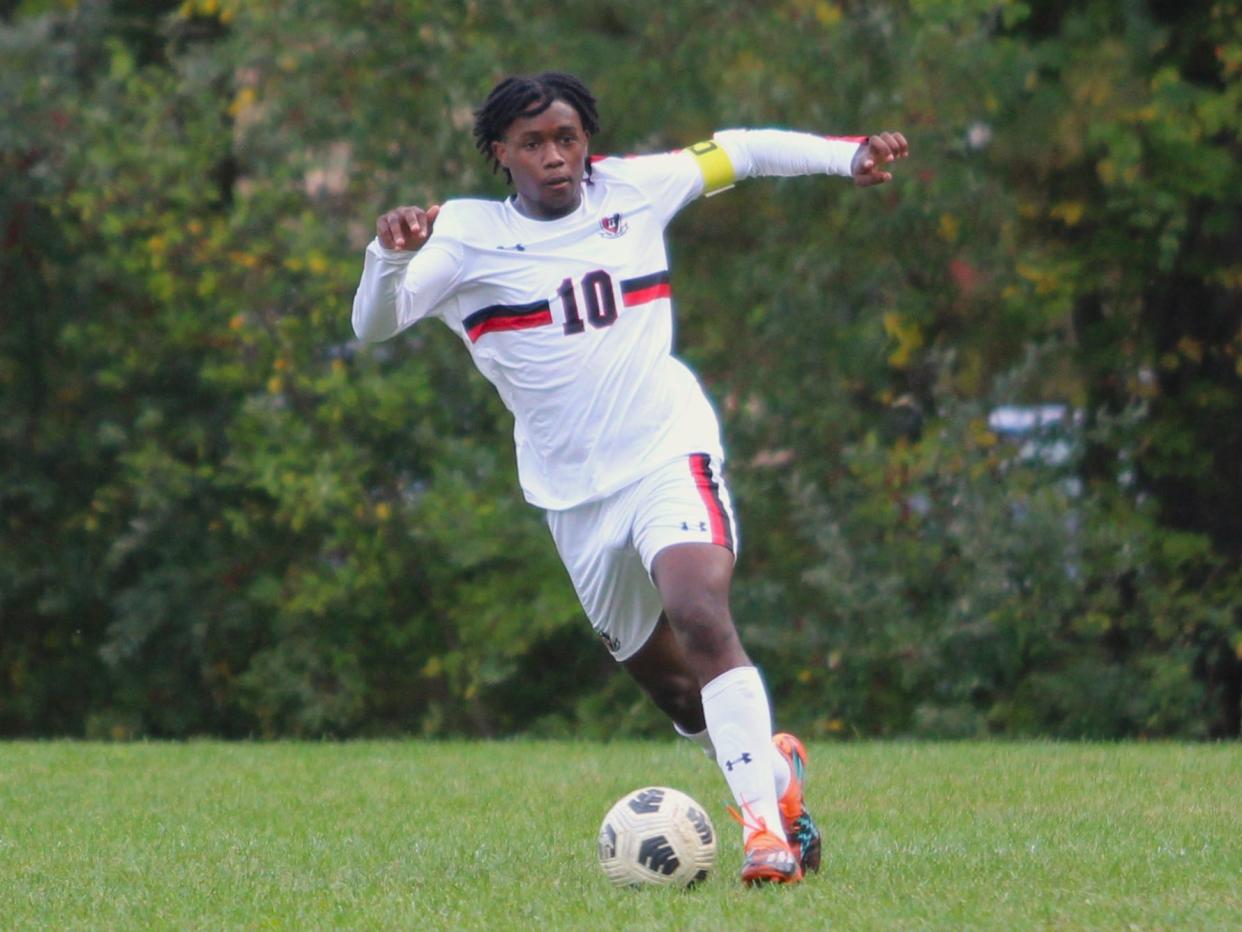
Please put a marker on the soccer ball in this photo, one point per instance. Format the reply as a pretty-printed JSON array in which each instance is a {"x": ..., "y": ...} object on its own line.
[{"x": 657, "y": 835}]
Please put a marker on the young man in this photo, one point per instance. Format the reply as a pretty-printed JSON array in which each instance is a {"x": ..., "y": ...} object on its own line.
[{"x": 561, "y": 294}]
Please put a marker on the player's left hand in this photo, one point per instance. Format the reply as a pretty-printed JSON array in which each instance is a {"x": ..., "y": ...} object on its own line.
[{"x": 878, "y": 151}]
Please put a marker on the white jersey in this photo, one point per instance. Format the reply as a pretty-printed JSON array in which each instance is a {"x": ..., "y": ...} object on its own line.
[{"x": 571, "y": 319}]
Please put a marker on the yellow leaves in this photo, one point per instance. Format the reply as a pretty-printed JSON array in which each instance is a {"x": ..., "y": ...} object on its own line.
[
  {"x": 1092, "y": 83},
  {"x": 828, "y": 14},
  {"x": 747, "y": 62},
  {"x": 244, "y": 101},
  {"x": 236, "y": 322},
  {"x": 1069, "y": 212},
  {"x": 1106, "y": 171},
  {"x": 1145, "y": 114},
  {"x": 948, "y": 227},
  {"x": 1191, "y": 348},
  {"x": 316, "y": 263},
  {"x": 1045, "y": 281},
  {"x": 981, "y": 435},
  {"x": 908, "y": 335},
  {"x": 208, "y": 9},
  {"x": 383, "y": 511},
  {"x": 1229, "y": 277},
  {"x": 1187, "y": 349}
]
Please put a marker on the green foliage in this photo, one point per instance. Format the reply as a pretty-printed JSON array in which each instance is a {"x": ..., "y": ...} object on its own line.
[
  {"x": 960, "y": 586},
  {"x": 219, "y": 514}
]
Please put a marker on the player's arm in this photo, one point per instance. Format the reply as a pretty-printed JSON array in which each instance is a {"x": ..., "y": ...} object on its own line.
[
  {"x": 734, "y": 154},
  {"x": 401, "y": 280}
]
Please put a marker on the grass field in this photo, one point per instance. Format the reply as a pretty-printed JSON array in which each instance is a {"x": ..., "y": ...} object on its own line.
[{"x": 502, "y": 836}]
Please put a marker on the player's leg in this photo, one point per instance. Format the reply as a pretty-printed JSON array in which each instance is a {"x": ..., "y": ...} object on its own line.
[
  {"x": 693, "y": 580},
  {"x": 659, "y": 668},
  {"x": 686, "y": 534},
  {"x": 614, "y": 585}
]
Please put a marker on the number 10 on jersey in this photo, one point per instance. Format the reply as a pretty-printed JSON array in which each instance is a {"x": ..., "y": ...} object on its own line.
[{"x": 598, "y": 297}]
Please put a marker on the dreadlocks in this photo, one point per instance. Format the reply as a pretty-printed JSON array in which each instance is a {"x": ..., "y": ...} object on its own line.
[{"x": 524, "y": 96}]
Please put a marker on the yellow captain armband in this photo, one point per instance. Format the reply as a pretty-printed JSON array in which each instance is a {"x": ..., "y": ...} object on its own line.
[{"x": 715, "y": 165}]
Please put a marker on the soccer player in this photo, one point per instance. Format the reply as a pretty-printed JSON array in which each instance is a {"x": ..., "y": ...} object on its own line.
[{"x": 561, "y": 294}]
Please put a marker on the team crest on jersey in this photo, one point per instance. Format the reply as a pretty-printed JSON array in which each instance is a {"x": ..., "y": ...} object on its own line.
[{"x": 613, "y": 226}]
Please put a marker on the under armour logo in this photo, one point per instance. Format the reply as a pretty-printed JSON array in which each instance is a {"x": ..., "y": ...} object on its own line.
[{"x": 744, "y": 759}]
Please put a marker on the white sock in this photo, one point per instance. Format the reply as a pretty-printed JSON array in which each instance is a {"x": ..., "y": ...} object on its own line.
[
  {"x": 780, "y": 766},
  {"x": 739, "y": 720},
  {"x": 702, "y": 738},
  {"x": 781, "y": 772}
]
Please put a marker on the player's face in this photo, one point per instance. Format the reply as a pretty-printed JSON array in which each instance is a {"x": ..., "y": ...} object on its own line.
[{"x": 546, "y": 155}]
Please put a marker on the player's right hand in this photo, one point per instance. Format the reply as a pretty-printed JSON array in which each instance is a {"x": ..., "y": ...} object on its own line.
[{"x": 406, "y": 227}]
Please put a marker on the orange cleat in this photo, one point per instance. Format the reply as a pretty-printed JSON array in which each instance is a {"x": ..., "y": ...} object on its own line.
[
  {"x": 768, "y": 858},
  {"x": 800, "y": 828}
]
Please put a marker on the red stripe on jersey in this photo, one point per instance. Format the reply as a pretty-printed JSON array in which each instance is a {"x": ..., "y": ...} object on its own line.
[
  {"x": 630, "y": 298},
  {"x": 646, "y": 288},
  {"x": 718, "y": 520},
  {"x": 518, "y": 322},
  {"x": 858, "y": 139}
]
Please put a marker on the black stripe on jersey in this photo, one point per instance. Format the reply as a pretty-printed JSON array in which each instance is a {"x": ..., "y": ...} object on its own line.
[
  {"x": 507, "y": 317},
  {"x": 646, "y": 281}
]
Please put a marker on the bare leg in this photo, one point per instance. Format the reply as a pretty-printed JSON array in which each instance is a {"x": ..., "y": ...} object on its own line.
[
  {"x": 694, "y": 581},
  {"x": 694, "y": 641}
]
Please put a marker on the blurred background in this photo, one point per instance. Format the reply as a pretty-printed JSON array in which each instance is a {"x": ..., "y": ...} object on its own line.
[{"x": 984, "y": 423}]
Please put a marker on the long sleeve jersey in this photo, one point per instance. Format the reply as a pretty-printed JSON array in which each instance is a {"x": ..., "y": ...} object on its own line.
[{"x": 572, "y": 319}]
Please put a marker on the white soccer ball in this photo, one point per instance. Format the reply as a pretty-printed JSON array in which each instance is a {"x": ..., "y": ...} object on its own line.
[{"x": 657, "y": 835}]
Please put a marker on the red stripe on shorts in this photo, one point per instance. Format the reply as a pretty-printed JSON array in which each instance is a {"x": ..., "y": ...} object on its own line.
[{"x": 709, "y": 491}]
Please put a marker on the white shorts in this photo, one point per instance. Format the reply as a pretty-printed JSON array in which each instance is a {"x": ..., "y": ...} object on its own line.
[{"x": 609, "y": 545}]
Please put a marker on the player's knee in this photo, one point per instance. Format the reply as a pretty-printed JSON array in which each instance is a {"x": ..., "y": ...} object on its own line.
[
  {"x": 702, "y": 622},
  {"x": 695, "y": 607}
]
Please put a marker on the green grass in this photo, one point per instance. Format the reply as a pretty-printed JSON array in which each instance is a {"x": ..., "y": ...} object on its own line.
[{"x": 502, "y": 836}]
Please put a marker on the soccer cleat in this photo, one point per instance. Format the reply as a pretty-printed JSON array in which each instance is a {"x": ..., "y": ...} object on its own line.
[
  {"x": 767, "y": 858},
  {"x": 800, "y": 828}
]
